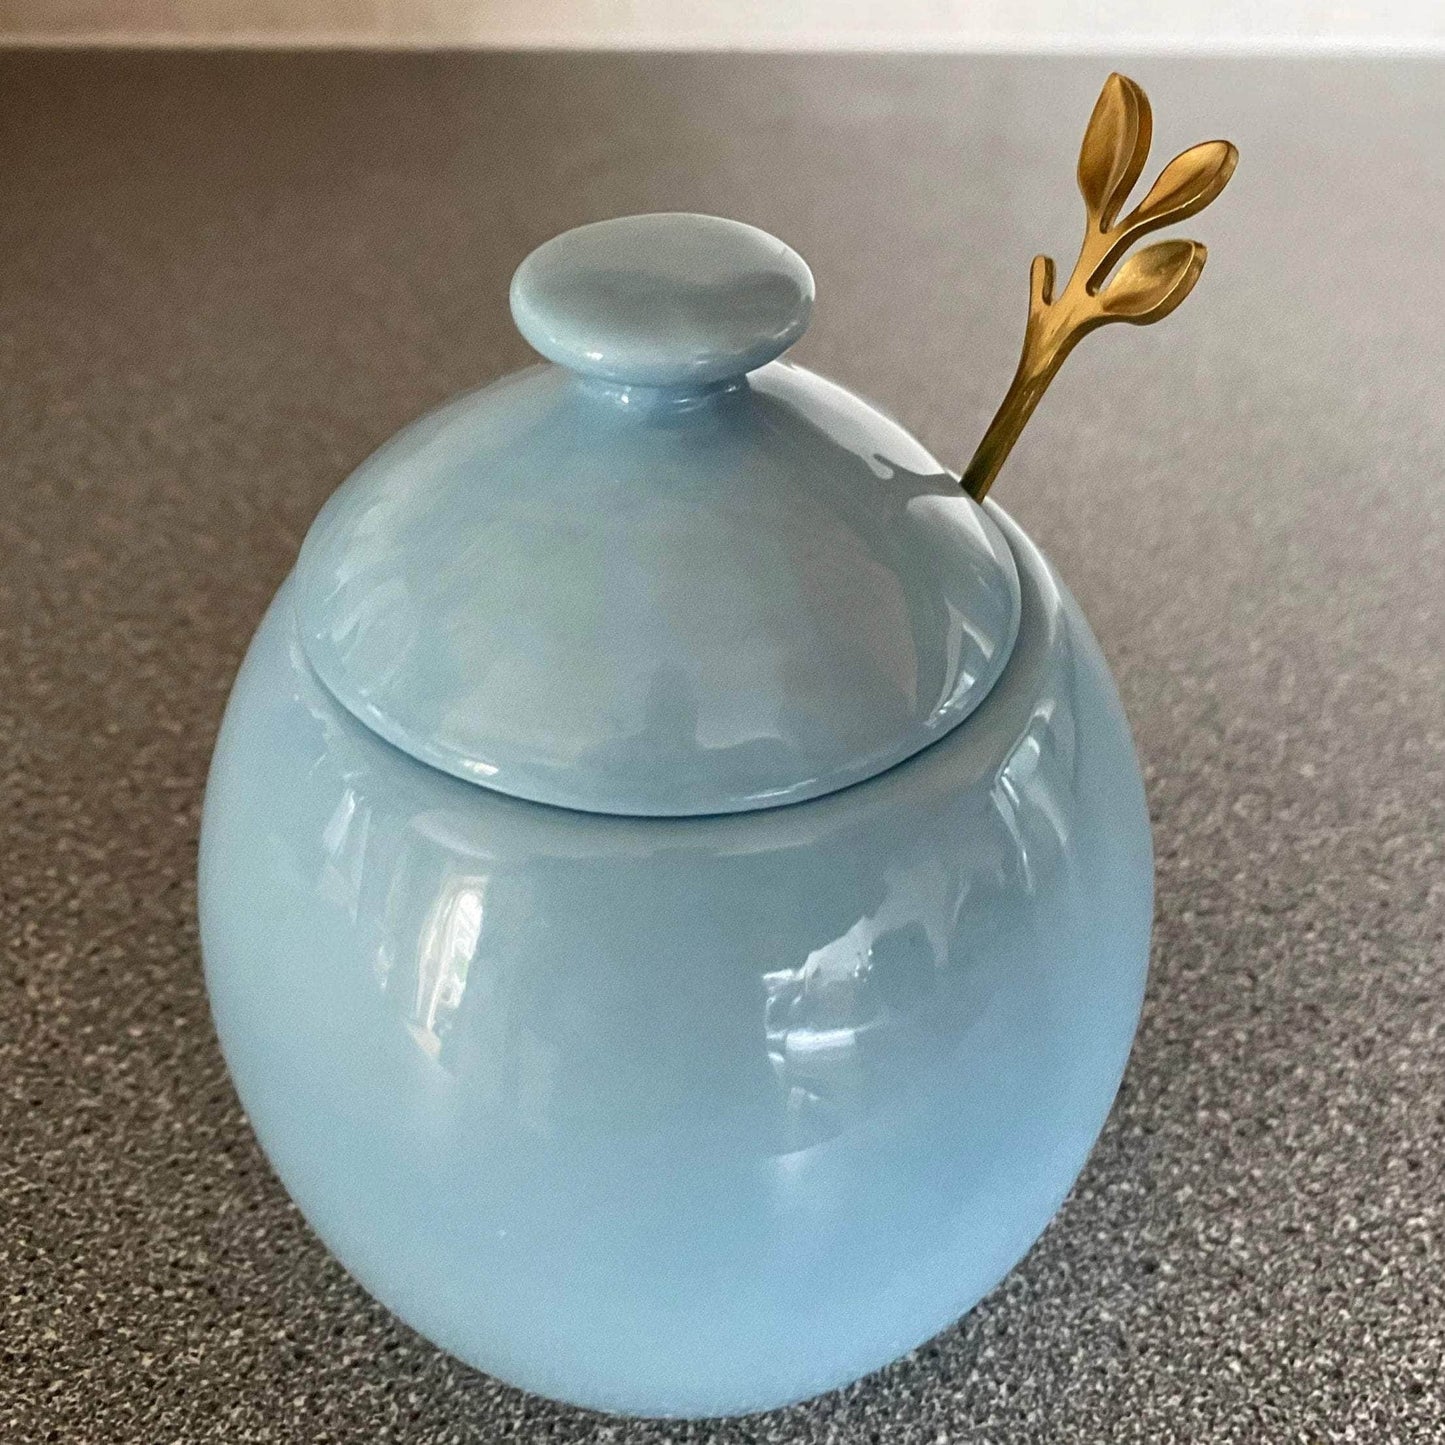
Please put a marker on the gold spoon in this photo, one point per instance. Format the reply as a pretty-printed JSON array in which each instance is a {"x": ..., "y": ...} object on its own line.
[{"x": 1147, "y": 287}]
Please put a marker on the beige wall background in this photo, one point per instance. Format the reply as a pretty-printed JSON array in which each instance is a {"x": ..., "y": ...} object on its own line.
[{"x": 739, "y": 24}]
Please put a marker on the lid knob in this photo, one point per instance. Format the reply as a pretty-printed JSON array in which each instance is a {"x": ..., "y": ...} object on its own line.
[{"x": 663, "y": 300}]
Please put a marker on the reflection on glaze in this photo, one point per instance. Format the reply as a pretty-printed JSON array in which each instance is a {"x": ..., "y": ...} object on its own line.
[{"x": 689, "y": 1115}]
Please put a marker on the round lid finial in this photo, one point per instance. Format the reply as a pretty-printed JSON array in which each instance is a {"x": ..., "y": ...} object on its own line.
[{"x": 672, "y": 299}]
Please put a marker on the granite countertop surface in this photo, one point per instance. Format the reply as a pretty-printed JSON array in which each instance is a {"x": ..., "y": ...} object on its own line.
[{"x": 225, "y": 279}]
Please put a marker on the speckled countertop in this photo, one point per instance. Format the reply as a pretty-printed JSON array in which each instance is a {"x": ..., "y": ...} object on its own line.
[{"x": 223, "y": 280}]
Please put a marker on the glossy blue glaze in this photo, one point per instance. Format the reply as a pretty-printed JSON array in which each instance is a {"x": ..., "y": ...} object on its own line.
[
  {"x": 681, "y": 1116},
  {"x": 670, "y": 300},
  {"x": 631, "y": 600}
]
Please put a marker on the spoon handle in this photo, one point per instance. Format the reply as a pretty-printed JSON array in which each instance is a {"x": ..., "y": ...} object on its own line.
[{"x": 1145, "y": 288}]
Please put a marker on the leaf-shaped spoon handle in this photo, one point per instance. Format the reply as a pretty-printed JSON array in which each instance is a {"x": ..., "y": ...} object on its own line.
[{"x": 1148, "y": 286}]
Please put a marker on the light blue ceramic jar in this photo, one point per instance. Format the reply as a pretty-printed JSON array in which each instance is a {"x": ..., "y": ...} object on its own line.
[{"x": 675, "y": 878}]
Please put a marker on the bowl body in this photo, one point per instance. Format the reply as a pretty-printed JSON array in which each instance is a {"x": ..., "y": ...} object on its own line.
[{"x": 681, "y": 1116}]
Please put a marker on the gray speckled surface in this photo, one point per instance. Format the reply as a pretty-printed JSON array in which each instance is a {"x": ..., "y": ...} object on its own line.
[{"x": 223, "y": 280}]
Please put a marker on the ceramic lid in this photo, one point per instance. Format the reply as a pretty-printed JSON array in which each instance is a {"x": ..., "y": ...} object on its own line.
[{"x": 644, "y": 581}]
